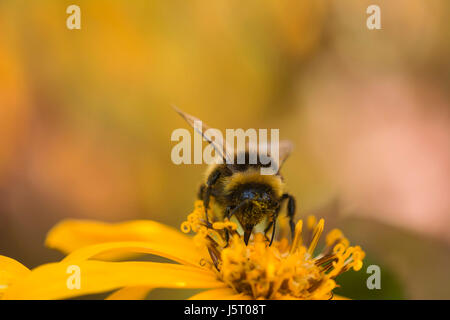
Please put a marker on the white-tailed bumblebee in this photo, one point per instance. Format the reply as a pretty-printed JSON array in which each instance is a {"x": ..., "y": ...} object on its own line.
[{"x": 240, "y": 190}]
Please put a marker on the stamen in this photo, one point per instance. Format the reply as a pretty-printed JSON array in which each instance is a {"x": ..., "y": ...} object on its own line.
[
  {"x": 278, "y": 271},
  {"x": 298, "y": 236},
  {"x": 325, "y": 288},
  {"x": 336, "y": 236},
  {"x": 317, "y": 233},
  {"x": 185, "y": 227}
]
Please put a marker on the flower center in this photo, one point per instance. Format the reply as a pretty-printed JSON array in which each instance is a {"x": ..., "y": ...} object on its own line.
[{"x": 281, "y": 270}]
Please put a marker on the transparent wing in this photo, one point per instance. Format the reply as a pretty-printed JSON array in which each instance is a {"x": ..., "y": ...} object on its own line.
[
  {"x": 285, "y": 148},
  {"x": 219, "y": 146}
]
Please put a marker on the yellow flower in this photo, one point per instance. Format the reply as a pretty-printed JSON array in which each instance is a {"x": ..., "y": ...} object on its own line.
[
  {"x": 10, "y": 270},
  {"x": 215, "y": 259}
]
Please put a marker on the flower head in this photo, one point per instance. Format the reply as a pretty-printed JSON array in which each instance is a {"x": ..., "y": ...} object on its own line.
[
  {"x": 280, "y": 270},
  {"x": 215, "y": 259}
]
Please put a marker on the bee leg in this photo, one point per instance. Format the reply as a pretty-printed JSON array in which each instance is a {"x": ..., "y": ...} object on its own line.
[
  {"x": 272, "y": 223},
  {"x": 290, "y": 211},
  {"x": 201, "y": 195},
  {"x": 267, "y": 229},
  {"x": 228, "y": 216},
  {"x": 273, "y": 231},
  {"x": 291, "y": 214},
  {"x": 228, "y": 212},
  {"x": 227, "y": 237},
  {"x": 212, "y": 179}
]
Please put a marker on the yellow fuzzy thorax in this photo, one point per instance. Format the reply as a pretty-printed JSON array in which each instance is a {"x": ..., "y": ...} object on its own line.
[
  {"x": 282, "y": 269},
  {"x": 254, "y": 176}
]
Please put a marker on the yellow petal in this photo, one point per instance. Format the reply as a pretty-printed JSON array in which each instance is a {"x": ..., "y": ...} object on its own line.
[
  {"x": 71, "y": 235},
  {"x": 219, "y": 294},
  {"x": 130, "y": 293},
  {"x": 172, "y": 252},
  {"x": 10, "y": 271},
  {"x": 52, "y": 281}
]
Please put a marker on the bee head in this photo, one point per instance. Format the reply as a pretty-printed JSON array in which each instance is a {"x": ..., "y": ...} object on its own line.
[
  {"x": 254, "y": 205},
  {"x": 247, "y": 234},
  {"x": 256, "y": 195}
]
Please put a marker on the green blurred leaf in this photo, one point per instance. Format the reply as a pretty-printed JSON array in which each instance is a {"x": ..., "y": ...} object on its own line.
[{"x": 353, "y": 284}]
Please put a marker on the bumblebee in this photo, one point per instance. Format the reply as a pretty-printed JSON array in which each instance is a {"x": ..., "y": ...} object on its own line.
[{"x": 240, "y": 190}]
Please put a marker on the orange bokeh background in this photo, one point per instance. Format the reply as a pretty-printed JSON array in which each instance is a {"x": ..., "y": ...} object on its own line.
[{"x": 85, "y": 116}]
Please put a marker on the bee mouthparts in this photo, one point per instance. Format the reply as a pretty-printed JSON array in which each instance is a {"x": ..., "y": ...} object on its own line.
[{"x": 247, "y": 234}]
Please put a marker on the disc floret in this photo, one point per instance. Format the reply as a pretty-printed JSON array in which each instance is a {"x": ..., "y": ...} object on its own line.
[{"x": 284, "y": 269}]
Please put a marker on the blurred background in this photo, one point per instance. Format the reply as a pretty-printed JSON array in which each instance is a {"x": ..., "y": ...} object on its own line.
[{"x": 85, "y": 119}]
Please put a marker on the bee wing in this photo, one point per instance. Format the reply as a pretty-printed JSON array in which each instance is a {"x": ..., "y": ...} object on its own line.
[
  {"x": 220, "y": 146},
  {"x": 285, "y": 148}
]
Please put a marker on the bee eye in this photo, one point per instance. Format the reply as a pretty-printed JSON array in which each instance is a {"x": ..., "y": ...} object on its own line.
[{"x": 248, "y": 194}]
